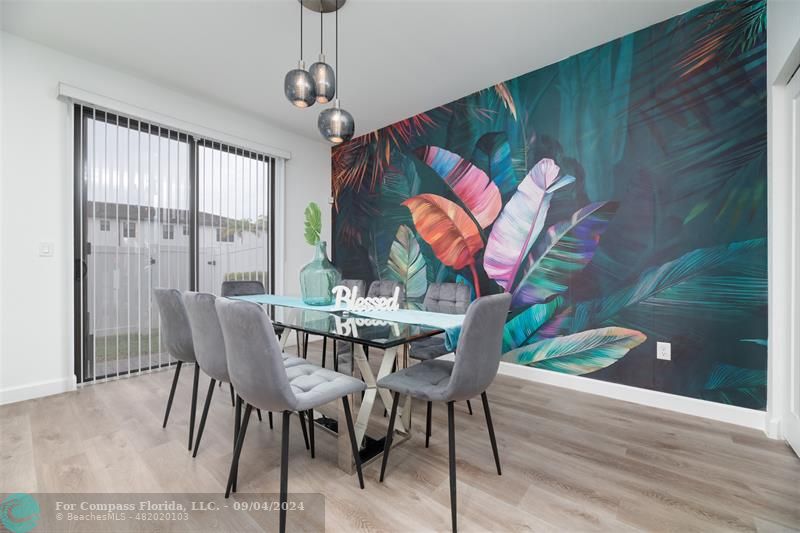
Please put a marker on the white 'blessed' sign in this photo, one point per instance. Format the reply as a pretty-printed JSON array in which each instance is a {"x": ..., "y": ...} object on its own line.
[{"x": 350, "y": 300}]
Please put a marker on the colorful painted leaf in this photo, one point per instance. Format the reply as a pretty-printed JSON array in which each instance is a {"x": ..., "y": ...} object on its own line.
[
  {"x": 580, "y": 353},
  {"x": 521, "y": 221},
  {"x": 449, "y": 231},
  {"x": 520, "y": 330},
  {"x": 406, "y": 264},
  {"x": 737, "y": 386},
  {"x": 493, "y": 155},
  {"x": 468, "y": 182},
  {"x": 760, "y": 342},
  {"x": 313, "y": 223},
  {"x": 508, "y": 100},
  {"x": 567, "y": 249}
]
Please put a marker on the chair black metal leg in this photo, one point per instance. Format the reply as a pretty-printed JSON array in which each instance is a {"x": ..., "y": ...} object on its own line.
[
  {"x": 335, "y": 357},
  {"x": 469, "y": 406},
  {"x": 269, "y": 415},
  {"x": 258, "y": 412},
  {"x": 303, "y": 427},
  {"x": 233, "y": 397},
  {"x": 284, "y": 470},
  {"x": 299, "y": 344},
  {"x": 389, "y": 434},
  {"x": 310, "y": 413},
  {"x": 451, "y": 437},
  {"x": 353, "y": 444},
  {"x": 491, "y": 432},
  {"x": 305, "y": 346},
  {"x": 172, "y": 391},
  {"x": 428, "y": 425},
  {"x": 204, "y": 416},
  {"x": 192, "y": 413},
  {"x": 237, "y": 452},
  {"x": 237, "y": 427},
  {"x": 324, "y": 350}
]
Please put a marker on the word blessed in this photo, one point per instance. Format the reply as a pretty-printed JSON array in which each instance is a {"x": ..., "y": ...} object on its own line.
[
  {"x": 349, "y": 326},
  {"x": 350, "y": 300}
]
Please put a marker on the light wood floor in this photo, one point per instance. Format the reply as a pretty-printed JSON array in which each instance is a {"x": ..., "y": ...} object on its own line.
[{"x": 571, "y": 462}]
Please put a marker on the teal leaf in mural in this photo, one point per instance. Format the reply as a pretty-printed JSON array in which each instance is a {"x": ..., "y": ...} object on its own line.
[
  {"x": 493, "y": 155},
  {"x": 567, "y": 248},
  {"x": 521, "y": 221},
  {"x": 406, "y": 264},
  {"x": 580, "y": 353},
  {"x": 469, "y": 183},
  {"x": 686, "y": 284},
  {"x": 464, "y": 281},
  {"x": 737, "y": 386},
  {"x": 520, "y": 330},
  {"x": 760, "y": 342},
  {"x": 313, "y": 223}
]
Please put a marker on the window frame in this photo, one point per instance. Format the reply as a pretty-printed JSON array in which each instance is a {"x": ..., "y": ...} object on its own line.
[{"x": 83, "y": 112}]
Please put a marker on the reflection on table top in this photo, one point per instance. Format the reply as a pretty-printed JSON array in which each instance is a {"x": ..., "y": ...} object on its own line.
[{"x": 349, "y": 326}]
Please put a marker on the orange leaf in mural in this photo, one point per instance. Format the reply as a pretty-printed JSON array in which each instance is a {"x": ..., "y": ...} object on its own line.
[{"x": 452, "y": 234}]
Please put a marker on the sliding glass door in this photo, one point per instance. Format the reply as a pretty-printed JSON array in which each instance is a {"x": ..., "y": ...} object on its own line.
[{"x": 157, "y": 207}]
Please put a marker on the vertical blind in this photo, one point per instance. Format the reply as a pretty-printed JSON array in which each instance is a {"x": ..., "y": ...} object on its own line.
[{"x": 158, "y": 207}]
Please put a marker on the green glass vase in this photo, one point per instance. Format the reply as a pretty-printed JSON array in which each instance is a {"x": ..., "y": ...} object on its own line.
[{"x": 319, "y": 277}]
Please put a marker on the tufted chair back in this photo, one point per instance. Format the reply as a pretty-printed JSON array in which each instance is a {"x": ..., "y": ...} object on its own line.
[
  {"x": 385, "y": 289},
  {"x": 242, "y": 288},
  {"x": 175, "y": 328},
  {"x": 451, "y": 298}
]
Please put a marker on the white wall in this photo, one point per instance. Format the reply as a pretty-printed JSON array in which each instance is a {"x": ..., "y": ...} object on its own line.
[
  {"x": 783, "y": 54},
  {"x": 36, "y": 313}
]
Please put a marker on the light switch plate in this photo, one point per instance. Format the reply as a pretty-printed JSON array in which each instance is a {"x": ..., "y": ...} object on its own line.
[
  {"x": 46, "y": 249},
  {"x": 664, "y": 351}
]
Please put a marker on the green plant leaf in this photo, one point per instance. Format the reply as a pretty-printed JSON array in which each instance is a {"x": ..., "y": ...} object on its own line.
[
  {"x": 313, "y": 226},
  {"x": 406, "y": 264},
  {"x": 580, "y": 353}
]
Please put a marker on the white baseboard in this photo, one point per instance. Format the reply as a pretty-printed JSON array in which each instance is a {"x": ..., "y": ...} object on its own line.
[
  {"x": 37, "y": 390},
  {"x": 730, "y": 414}
]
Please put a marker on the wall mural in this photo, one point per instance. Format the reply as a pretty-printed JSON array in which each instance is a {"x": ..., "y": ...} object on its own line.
[{"x": 619, "y": 195}]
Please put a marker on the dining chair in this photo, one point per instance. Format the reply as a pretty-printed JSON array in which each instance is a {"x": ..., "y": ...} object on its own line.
[
  {"x": 477, "y": 360},
  {"x": 176, "y": 334},
  {"x": 262, "y": 380},
  {"x": 209, "y": 349},
  {"x": 245, "y": 288},
  {"x": 450, "y": 298}
]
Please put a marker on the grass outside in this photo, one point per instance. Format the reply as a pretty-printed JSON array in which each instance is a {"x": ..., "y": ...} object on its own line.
[{"x": 124, "y": 345}]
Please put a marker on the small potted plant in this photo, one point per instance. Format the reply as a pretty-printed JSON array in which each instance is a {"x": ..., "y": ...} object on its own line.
[{"x": 320, "y": 276}]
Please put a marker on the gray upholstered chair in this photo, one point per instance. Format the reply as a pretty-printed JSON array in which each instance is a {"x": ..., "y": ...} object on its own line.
[
  {"x": 475, "y": 367},
  {"x": 385, "y": 288},
  {"x": 176, "y": 334},
  {"x": 245, "y": 288},
  {"x": 209, "y": 349},
  {"x": 450, "y": 298},
  {"x": 260, "y": 377}
]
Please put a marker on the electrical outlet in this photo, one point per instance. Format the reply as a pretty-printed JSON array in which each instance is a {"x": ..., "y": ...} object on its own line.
[
  {"x": 46, "y": 249},
  {"x": 664, "y": 351}
]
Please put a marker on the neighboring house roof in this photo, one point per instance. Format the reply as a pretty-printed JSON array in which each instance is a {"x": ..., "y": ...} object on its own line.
[{"x": 143, "y": 213}]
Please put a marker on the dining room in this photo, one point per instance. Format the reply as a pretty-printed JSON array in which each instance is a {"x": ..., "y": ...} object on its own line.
[{"x": 491, "y": 266}]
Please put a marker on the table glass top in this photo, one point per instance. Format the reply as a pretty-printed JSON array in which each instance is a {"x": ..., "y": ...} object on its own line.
[{"x": 349, "y": 326}]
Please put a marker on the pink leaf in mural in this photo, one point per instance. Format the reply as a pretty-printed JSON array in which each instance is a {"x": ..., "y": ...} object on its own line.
[
  {"x": 468, "y": 182},
  {"x": 521, "y": 222},
  {"x": 451, "y": 233}
]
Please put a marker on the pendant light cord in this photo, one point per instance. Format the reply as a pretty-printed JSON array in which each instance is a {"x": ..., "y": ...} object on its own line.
[
  {"x": 320, "y": 32},
  {"x": 338, "y": 77},
  {"x": 301, "y": 30}
]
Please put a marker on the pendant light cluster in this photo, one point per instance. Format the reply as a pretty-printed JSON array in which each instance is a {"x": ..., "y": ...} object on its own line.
[{"x": 319, "y": 84}]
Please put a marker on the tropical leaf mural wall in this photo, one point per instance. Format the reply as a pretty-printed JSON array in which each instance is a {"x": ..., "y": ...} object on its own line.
[{"x": 619, "y": 195}]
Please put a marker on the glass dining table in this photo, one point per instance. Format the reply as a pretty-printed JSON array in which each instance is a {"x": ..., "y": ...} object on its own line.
[{"x": 358, "y": 332}]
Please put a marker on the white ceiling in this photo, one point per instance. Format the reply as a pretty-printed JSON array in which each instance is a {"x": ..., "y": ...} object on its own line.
[{"x": 398, "y": 57}]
